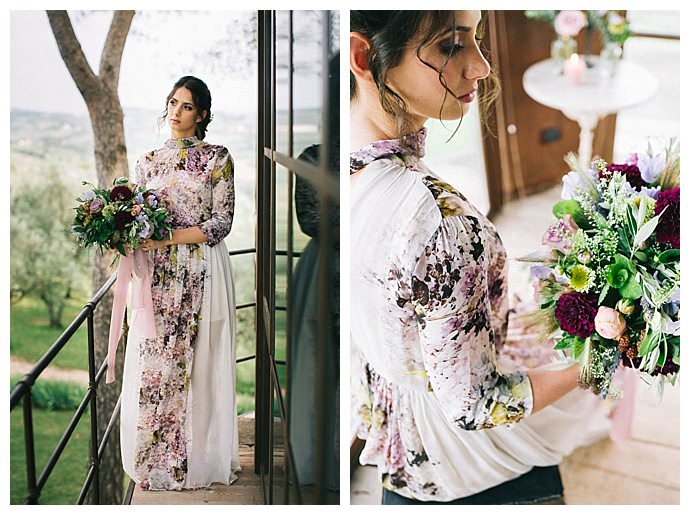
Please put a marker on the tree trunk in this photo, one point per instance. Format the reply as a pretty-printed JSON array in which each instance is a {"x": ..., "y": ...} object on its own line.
[
  {"x": 100, "y": 94},
  {"x": 53, "y": 312}
]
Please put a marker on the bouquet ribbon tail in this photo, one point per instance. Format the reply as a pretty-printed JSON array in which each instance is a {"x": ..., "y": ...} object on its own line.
[
  {"x": 142, "y": 302},
  {"x": 621, "y": 427},
  {"x": 133, "y": 265}
]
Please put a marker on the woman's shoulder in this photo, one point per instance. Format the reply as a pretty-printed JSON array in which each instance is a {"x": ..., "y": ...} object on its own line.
[
  {"x": 449, "y": 201},
  {"x": 220, "y": 152},
  {"x": 435, "y": 191},
  {"x": 396, "y": 177},
  {"x": 392, "y": 177},
  {"x": 146, "y": 157}
]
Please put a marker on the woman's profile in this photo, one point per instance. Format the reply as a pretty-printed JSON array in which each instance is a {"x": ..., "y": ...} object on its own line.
[
  {"x": 443, "y": 422},
  {"x": 178, "y": 419}
]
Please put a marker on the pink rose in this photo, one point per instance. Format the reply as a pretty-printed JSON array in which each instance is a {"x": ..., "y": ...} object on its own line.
[
  {"x": 96, "y": 205},
  {"x": 569, "y": 23},
  {"x": 609, "y": 323},
  {"x": 136, "y": 209},
  {"x": 559, "y": 235}
]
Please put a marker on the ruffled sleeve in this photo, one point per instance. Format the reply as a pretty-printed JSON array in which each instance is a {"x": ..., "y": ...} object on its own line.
[
  {"x": 222, "y": 180},
  {"x": 452, "y": 297}
]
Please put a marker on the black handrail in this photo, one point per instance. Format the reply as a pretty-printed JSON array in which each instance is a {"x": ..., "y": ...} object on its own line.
[
  {"x": 23, "y": 391},
  {"x": 29, "y": 379}
]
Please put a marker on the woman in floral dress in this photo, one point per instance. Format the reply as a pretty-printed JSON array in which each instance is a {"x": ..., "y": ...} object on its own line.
[
  {"x": 443, "y": 421},
  {"x": 178, "y": 420}
]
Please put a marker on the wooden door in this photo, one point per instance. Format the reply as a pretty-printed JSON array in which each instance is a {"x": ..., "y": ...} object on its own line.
[{"x": 525, "y": 153}]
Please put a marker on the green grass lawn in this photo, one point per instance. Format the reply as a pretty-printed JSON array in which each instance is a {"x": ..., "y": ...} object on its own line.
[
  {"x": 31, "y": 337},
  {"x": 65, "y": 482}
]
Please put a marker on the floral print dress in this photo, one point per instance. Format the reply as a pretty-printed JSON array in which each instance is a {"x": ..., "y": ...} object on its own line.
[
  {"x": 179, "y": 426},
  {"x": 428, "y": 317}
]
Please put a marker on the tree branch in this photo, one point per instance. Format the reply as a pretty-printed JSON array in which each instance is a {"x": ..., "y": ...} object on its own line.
[
  {"x": 111, "y": 57},
  {"x": 72, "y": 54}
]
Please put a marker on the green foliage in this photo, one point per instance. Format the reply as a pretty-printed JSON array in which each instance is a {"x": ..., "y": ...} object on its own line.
[
  {"x": 622, "y": 275},
  {"x": 572, "y": 208},
  {"x": 44, "y": 261},
  {"x": 569, "y": 342},
  {"x": 651, "y": 341},
  {"x": 669, "y": 256},
  {"x": 54, "y": 395},
  {"x": 547, "y": 16}
]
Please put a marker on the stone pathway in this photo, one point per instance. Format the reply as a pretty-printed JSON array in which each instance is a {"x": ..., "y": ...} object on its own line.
[{"x": 22, "y": 366}]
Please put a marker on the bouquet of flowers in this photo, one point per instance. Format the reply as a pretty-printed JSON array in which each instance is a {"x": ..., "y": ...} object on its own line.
[
  {"x": 120, "y": 217},
  {"x": 609, "y": 286}
]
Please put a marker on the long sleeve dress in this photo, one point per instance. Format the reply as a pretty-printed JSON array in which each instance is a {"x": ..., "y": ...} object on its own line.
[
  {"x": 428, "y": 316},
  {"x": 179, "y": 420}
]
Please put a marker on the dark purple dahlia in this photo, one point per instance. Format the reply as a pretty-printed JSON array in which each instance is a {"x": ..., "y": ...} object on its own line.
[
  {"x": 668, "y": 229},
  {"x": 668, "y": 368},
  {"x": 120, "y": 193},
  {"x": 630, "y": 172},
  {"x": 122, "y": 218},
  {"x": 575, "y": 313}
]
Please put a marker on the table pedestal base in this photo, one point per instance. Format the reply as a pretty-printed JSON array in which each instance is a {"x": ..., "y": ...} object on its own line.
[{"x": 587, "y": 123}]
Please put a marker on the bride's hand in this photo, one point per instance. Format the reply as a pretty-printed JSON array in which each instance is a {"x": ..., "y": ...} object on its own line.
[{"x": 149, "y": 244}]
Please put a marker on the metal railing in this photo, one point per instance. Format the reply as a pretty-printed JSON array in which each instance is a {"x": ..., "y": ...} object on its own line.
[{"x": 22, "y": 393}]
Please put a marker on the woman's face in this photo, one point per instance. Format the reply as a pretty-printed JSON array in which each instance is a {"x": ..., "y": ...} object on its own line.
[
  {"x": 182, "y": 114},
  {"x": 419, "y": 85}
]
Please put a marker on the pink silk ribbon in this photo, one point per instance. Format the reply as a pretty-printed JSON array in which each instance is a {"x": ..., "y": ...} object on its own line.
[
  {"x": 132, "y": 267},
  {"x": 621, "y": 426}
]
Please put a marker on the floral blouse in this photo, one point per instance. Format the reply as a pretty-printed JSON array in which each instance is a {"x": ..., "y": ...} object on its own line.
[
  {"x": 429, "y": 311},
  {"x": 197, "y": 179}
]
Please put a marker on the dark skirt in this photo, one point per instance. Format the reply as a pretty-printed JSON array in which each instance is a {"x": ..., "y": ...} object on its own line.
[{"x": 541, "y": 485}]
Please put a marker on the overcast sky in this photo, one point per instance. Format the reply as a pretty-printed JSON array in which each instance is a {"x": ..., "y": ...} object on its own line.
[{"x": 161, "y": 48}]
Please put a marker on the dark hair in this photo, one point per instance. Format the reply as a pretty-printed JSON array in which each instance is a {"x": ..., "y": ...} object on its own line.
[
  {"x": 202, "y": 100},
  {"x": 390, "y": 34}
]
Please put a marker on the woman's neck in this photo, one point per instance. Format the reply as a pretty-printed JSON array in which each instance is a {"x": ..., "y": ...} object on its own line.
[
  {"x": 369, "y": 122},
  {"x": 180, "y": 135}
]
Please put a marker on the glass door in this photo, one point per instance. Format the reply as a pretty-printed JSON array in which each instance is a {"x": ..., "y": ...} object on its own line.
[{"x": 297, "y": 291}]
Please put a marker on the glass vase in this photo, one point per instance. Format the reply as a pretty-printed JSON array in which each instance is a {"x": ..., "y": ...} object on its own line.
[
  {"x": 609, "y": 59},
  {"x": 561, "y": 50}
]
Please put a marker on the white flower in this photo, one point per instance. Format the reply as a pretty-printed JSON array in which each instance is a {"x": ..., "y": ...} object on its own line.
[
  {"x": 573, "y": 183},
  {"x": 650, "y": 167},
  {"x": 650, "y": 192}
]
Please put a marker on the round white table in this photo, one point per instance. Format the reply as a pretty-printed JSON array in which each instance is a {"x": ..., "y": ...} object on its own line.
[{"x": 593, "y": 98}]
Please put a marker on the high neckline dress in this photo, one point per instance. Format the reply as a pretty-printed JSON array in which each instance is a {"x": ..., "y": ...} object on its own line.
[
  {"x": 442, "y": 415},
  {"x": 178, "y": 420}
]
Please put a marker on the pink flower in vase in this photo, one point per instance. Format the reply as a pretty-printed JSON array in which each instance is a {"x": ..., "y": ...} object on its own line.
[{"x": 569, "y": 23}]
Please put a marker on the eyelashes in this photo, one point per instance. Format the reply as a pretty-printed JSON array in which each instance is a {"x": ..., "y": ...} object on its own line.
[
  {"x": 448, "y": 48},
  {"x": 173, "y": 102}
]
